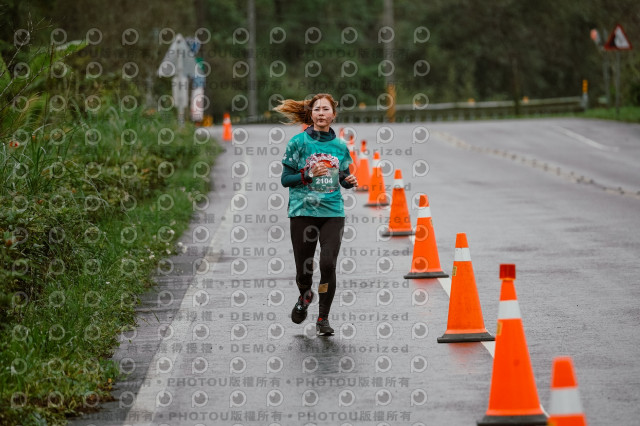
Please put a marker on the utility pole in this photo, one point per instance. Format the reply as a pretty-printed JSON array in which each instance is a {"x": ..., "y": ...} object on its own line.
[
  {"x": 599, "y": 39},
  {"x": 388, "y": 55},
  {"x": 253, "y": 84},
  {"x": 605, "y": 71},
  {"x": 617, "y": 83}
]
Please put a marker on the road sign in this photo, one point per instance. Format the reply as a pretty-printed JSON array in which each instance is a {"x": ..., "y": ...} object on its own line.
[
  {"x": 179, "y": 63},
  {"x": 618, "y": 40},
  {"x": 178, "y": 59}
]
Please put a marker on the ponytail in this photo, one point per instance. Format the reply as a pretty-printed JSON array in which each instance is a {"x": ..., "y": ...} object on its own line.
[{"x": 299, "y": 112}]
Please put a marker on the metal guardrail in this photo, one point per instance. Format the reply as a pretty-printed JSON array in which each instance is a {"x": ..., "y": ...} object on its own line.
[
  {"x": 452, "y": 111},
  {"x": 449, "y": 111}
]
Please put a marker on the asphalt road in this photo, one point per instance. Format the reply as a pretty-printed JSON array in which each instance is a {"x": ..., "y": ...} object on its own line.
[{"x": 559, "y": 198}]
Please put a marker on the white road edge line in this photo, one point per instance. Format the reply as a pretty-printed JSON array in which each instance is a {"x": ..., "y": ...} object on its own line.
[
  {"x": 586, "y": 140},
  {"x": 446, "y": 286},
  {"x": 145, "y": 400},
  {"x": 491, "y": 347}
]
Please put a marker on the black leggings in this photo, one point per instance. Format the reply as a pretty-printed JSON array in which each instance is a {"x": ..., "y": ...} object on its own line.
[{"x": 305, "y": 232}]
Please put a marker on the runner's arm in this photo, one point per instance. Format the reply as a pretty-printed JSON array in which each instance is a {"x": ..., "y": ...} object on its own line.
[
  {"x": 291, "y": 176},
  {"x": 343, "y": 174}
]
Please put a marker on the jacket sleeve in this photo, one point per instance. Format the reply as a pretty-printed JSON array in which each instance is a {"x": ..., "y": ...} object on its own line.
[
  {"x": 291, "y": 176},
  {"x": 343, "y": 174}
]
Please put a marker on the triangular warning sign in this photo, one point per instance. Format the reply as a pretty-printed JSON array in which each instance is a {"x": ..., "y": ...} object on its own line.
[{"x": 618, "y": 40}]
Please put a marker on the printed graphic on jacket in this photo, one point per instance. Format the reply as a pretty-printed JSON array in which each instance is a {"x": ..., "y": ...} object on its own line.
[
  {"x": 329, "y": 182},
  {"x": 308, "y": 199}
]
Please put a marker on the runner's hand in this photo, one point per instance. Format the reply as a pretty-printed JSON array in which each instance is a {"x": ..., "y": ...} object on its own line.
[
  {"x": 351, "y": 179},
  {"x": 319, "y": 169}
]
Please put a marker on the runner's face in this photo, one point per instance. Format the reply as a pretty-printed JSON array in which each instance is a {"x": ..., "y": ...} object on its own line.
[{"x": 322, "y": 114}]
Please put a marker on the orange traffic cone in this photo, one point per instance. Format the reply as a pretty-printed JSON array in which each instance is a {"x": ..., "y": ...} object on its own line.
[
  {"x": 226, "y": 127},
  {"x": 565, "y": 408},
  {"x": 341, "y": 133},
  {"x": 425, "y": 262},
  {"x": 362, "y": 170},
  {"x": 514, "y": 397},
  {"x": 377, "y": 194},
  {"x": 399, "y": 220},
  {"x": 465, "y": 323}
]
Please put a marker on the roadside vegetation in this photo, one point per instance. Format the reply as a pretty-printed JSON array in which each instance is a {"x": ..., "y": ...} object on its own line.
[
  {"x": 629, "y": 114},
  {"x": 94, "y": 192}
]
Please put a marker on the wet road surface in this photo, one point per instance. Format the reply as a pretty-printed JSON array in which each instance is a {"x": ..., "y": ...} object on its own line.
[{"x": 215, "y": 343}]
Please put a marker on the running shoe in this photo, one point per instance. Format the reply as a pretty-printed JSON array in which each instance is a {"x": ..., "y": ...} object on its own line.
[
  {"x": 299, "y": 312},
  {"x": 323, "y": 328}
]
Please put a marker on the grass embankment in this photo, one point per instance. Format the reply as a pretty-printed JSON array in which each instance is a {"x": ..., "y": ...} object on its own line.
[
  {"x": 88, "y": 209},
  {"x": 629, "y": 114}
]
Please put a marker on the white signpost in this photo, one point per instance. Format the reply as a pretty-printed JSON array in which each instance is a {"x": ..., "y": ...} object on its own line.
[
  {"x": 197, "y": 104},
  {"x": 179, "y": 63}
]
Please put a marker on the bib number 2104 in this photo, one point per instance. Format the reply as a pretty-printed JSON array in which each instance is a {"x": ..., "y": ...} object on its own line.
[{"x": 327, "y": 183}]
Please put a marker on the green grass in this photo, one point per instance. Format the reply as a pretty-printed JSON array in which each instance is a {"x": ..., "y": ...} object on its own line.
[
  {"x": 77, "y": 249},
  {"x": 629, "y": 114}
]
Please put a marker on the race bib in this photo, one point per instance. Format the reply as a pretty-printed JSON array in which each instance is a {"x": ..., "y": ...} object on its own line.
[{"x": 327, "y": 183}]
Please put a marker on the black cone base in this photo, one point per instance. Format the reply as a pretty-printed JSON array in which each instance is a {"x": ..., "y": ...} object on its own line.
[
  {"x": 376, "y": 204},
  {"x": 435, "y": 274},
  {"x": 534, "y": 420},
  {"x": 465, "y": 337},
  {"x": 389, "y": 233}
]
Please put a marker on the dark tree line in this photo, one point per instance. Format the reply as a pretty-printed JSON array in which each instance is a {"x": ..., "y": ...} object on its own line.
[{"x": 503, "y": 49}]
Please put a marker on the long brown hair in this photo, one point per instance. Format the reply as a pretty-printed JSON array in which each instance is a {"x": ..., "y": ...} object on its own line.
[{"x": 299, "y": 112}]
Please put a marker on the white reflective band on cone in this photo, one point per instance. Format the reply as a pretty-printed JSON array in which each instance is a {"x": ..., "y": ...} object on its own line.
[
  {"x": 462, "y": 254},
  {"x": 565, "y": 401},
  {"x": 509, "y": 309},
  {"x": 376, "y": 163},
  {"x": 424, "y": 212},
  {"x": 398, "y": 183}
]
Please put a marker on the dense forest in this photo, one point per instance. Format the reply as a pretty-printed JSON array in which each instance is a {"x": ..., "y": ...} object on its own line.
[{"x": 452, "y": 50}]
